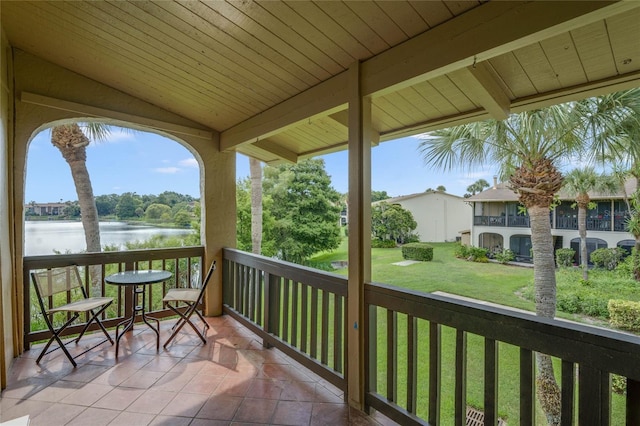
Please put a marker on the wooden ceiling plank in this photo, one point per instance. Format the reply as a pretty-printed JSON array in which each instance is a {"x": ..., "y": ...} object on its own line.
[
  {"x": 288, "y": 25},
  {"x": 127, "y": 29},
  {"x": 512, "y": 75},
  {"x": 564, "y": 60},
  {"x": 108, "y": 72},
  {"x": 330, "y": 28},
  {"x": 323, "y": 99},
  {"x": 432, "y": 12},
  {"x": 250, "y": 33},
  {"x": 380, "y": 23},
  {"x": 472, "y": 37},
  {"x": 478, "y": 83},
  {"x": 212, "y": 41},
  {"x": 626, "y": 50},
  {"x": 275, "y": 30},
  {"x": 354, "y": 25},
  {"x": 200, "y": 57},
  {"x": 594, "y": 49},
  {"x": 456, "y": 101},
  {"x": 441, "y": 104},
  {"x": 538, "y": 68},
  {"x": 404, "y": 16}
]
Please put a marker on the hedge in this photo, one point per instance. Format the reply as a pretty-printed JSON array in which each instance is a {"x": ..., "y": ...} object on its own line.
[
  {"x": 417, "y": 251},
  {"x": 624, "y": 314}
]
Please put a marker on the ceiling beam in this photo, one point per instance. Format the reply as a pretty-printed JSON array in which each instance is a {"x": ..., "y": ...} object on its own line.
[
  {"x": 342, "y": 117},
  {"x": 92, "y": 111},
  {"x": 455, "y": 44},
  {"x": 275, "y": 149},
  {"x": 479, "y": 84}
]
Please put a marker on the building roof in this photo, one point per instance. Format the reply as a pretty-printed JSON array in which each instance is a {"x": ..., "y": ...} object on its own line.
[
  {"x": 272, "y": 79},
  {"x": 418, "y": 194},
  {"x": 502, "y": 193}
]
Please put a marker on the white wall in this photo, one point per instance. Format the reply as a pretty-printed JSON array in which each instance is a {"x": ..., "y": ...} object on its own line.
[{"x": 440, "y": 217}]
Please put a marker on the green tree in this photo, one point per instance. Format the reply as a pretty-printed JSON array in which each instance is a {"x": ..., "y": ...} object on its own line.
[
  {"x": 578, "y": 183},
  {"x": 441, "y": 188},
  {"x": 106, "y": 204},
  {"x": 476, "y": 187},
  {"x": 157, "y": 211},
  {"x": 71, "y": 210},
  {"x": 304, "y": 207},
  {"x": 182, "y": 218},
  {"x": 526, "y": 146},
  {"x": 391, "y": 222},
  {"x": 379, "y": 196},
  {"x": 255, "y": 169},
  {"x": 127, "y": 205}
]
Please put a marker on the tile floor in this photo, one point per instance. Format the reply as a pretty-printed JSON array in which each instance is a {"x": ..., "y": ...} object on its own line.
[{"x": 230, "y": 380}]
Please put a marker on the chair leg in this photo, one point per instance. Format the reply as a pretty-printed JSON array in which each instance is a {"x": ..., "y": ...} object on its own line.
[
  {"x": 56, "y": 336},
  {"x": 185, "y": 319},
  {"x": 94, "y": 317}
]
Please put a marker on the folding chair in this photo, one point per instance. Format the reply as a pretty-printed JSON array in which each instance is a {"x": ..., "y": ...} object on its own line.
[
  {"x": 60, "y": 290},
  {"x": 177, "y": 299}
]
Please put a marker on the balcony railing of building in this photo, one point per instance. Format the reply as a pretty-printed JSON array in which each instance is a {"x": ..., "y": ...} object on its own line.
[
  {"x": 299, "y": 310},
  {"x": 417, "y": 345},
  {"x": 561, "y": 222},
  {"x": 185, "y": 264}
]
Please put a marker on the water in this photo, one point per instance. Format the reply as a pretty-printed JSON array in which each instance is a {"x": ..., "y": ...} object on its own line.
[{"x": 45, "y": 237}]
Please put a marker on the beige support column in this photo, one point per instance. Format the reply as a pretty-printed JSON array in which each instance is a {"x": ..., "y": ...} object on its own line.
[
  {"x": 359, "y": 232},
  {"x": 218, "y": 181}
]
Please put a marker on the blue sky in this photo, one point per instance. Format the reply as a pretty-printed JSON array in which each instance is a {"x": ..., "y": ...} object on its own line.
[{"x": 147, "y": 163}]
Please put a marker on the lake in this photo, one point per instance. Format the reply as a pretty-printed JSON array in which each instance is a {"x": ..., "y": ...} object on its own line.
[{"x": 45, "y": 237}]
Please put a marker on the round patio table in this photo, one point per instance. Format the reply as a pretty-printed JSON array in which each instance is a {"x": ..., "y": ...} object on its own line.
[{"x": 135, "y": 282}]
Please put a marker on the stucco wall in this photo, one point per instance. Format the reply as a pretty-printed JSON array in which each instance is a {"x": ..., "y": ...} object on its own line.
[
  {"x": 440, "y": 217},
  {"x": 6, "y": 258}
]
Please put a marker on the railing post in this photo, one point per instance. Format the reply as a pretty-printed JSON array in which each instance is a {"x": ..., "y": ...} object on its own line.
[
  {"x": 594, "y": 395},
  {"x": 271, "y": 318}
]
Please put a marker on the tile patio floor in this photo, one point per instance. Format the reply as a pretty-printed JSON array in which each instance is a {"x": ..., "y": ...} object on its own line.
[{"x": 230, "y": 380}]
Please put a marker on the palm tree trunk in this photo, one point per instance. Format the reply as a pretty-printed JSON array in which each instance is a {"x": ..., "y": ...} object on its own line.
[
  {"x": 255, "y": 170},
  {"x": 582, "y": 231},
  {"x": 545, "y": 282}
]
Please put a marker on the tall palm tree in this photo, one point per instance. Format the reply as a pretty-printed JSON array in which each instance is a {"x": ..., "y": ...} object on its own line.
[
  {"x": 477, "y": 186},
  {"x": 578, "y": 183},
  {"x": 72, "y": 142},
  {"x": 255, "y": 170},
  {"x": 527, "y": 147}
]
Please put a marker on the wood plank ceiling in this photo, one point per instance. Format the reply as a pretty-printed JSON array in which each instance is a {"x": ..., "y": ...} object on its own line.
[{"x": 270, "y": 76}]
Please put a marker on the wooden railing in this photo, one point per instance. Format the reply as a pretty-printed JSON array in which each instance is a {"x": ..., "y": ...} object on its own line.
[
  {"x": 299, "y": 310},
  {"x": 182, "y": 262},
  {"x": 406, "y": 330}
]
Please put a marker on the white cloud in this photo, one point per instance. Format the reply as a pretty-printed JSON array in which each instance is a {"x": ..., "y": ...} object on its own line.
[
  {"x": 167, "y": 170},
  {"x": 189, "y": 162},
  {"x": 117, "y": 135}
]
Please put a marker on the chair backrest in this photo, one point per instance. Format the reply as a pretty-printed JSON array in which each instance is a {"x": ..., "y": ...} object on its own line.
[
  {"x": 56, "y": 280},
  {"x": 207, "y": 278}
]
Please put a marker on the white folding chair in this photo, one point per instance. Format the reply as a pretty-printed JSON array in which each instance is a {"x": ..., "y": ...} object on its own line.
[
  {"x": 184, "y": 302},
  {"x": 60, "y": 290}
]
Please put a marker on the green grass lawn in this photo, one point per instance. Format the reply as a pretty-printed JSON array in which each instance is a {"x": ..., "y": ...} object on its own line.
[{"x": 492, "y": 282}]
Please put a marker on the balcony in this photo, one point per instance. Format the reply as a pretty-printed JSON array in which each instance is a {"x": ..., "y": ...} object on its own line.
[{"x": 281, "y": 348}]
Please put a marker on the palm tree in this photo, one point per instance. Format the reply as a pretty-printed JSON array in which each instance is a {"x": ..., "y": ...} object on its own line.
[
  {"x": 255, "y": 170},
  {"x": 578, "y": 183},
  {"x": 477, "y": 186},
  {"x": 527, "y": 147},
  {"x": 72, "y": 142}
]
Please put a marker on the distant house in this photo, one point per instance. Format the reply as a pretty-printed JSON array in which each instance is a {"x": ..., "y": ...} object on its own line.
[
  {"x": 440, "y": 216},
  {"x": 500, "y": 222},
  {"x": 44, "y": 209}
]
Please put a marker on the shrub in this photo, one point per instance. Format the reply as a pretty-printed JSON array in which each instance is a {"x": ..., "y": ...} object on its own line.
[
  {"x": 461, "y": 251},
  {"x": 477, "y": 254},
  {"x": 417, "y": 251},
  {"x": 383, "y": 244},
  {"x": 564, "y": 256},
  {"x": 624, "y": 314},
  {"x": 619, "y": 384},
  {"x": 607, "y": 258},
  {"x": 505, "y": 256}
]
